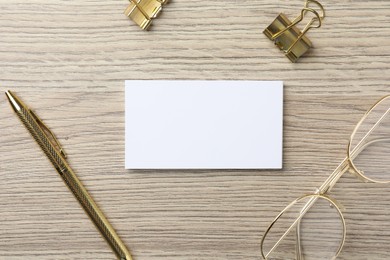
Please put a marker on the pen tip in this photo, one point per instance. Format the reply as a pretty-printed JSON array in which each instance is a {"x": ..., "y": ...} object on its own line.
[
  {"x": 12, "y": 100},
  {"x": 8, "y": 94}
]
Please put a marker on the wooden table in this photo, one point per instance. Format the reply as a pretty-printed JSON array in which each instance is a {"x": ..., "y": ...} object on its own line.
[{"x": 68, "y": 60}]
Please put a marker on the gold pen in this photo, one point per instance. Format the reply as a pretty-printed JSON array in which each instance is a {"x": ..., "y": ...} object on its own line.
[{"x": 57, "y": 156}]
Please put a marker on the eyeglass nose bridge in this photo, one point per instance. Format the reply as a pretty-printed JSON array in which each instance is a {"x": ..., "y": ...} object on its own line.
[
  {"x": 357, "y": 173},
  {"x": 333, "y": 202}
]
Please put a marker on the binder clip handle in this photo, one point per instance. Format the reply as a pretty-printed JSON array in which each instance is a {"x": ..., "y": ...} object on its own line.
[
  {"x": 297, "y": 20},
  {"x": 317, "y": 17},
  {"x": 142, "y": 12},
  {"x": 308, "y": 26},
  {"x": 141, "y": 9},
  {"x": 307, "y": 5}
]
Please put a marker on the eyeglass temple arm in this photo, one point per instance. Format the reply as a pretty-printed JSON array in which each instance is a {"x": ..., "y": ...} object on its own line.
[
  {"x": 332, "y": 179},
  {"x": 293, "y": 225},
  {"x": 325, "y": 187},
  {"x": 328, "y": 184},
  {"x": 298, "y": 246},
  {"x": 344, "y": 167}
]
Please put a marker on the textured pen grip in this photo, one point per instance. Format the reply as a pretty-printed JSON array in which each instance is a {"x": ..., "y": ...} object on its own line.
[
  {"x": 75, "y": 186},
  {"x": 95, "y": 214}
]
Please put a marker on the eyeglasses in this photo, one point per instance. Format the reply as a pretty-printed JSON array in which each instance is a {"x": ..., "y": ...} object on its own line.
[{"x": 313, "y": 226}]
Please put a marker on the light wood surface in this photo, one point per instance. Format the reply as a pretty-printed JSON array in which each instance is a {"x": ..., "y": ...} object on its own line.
[{"x": 68, "y": 61}]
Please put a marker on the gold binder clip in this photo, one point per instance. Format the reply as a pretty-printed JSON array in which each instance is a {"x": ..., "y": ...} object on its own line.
[
  {"x": 143, "y": 11},
  {"x": 288, "y": 37}
]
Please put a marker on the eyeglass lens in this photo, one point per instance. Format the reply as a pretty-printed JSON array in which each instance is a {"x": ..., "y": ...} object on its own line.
[
  {"x": 370, "y": 144},
  {"x": 320, "y": 231}
]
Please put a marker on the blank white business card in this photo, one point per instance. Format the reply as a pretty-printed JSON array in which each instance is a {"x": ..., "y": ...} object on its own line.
[{"x": 204, "y": 124}]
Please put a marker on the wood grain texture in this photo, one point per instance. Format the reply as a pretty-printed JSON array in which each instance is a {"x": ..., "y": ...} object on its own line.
[{"x": 68, "y": 60}]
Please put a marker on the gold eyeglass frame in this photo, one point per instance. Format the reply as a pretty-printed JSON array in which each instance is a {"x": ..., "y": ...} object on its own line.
[{"x": 346, "y": 165}]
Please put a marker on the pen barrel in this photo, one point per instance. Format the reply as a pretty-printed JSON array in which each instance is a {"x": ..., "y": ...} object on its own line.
[
  {"x": 74, "y": 185},
  {"x": 94, "y": 213}
]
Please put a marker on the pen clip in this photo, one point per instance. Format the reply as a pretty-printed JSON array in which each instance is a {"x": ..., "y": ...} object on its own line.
[{"x": 49, "y": 134}]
